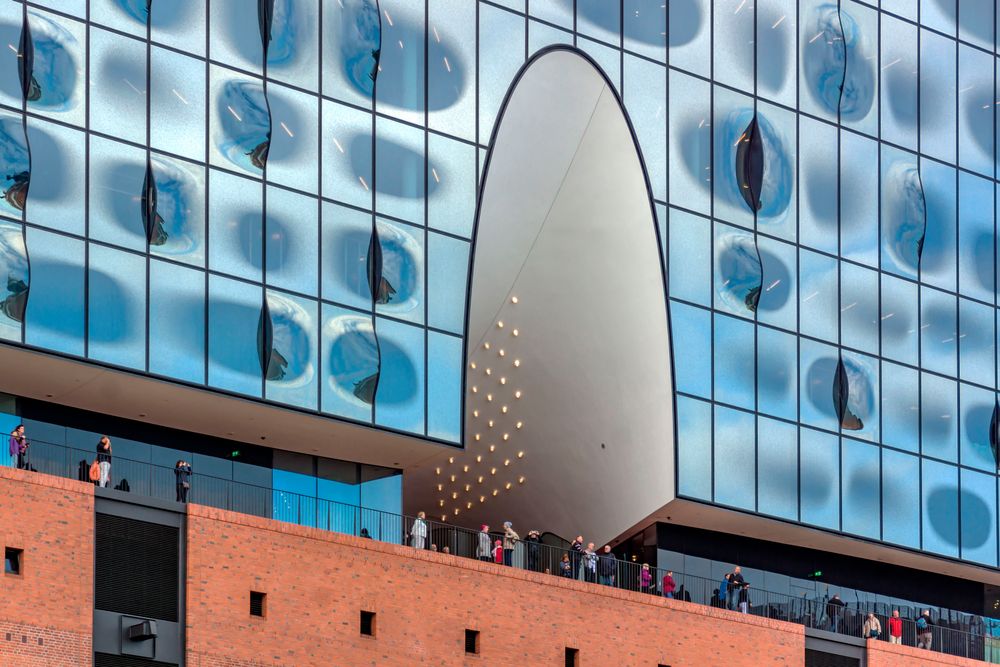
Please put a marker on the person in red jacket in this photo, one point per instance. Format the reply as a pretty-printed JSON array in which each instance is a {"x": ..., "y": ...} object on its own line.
[
  {"x": 895, "y": 628},
  {"x": 498, "y": 552},
  {"x": 668, "y": 585}
]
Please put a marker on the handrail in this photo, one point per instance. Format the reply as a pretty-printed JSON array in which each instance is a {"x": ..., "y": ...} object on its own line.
[{"x": 966, "y": 635}]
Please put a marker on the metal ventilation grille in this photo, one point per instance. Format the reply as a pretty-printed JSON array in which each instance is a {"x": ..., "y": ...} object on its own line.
[
  {"x": 108, "y": 660},
  {"x": 816, "y": 658},
  {"x": 137, "y": 568}
]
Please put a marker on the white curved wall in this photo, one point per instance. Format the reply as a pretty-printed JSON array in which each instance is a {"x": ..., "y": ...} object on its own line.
[{"x": 566, "y": 227}]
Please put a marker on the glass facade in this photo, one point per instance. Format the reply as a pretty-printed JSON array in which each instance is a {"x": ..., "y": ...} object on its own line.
[{"x": 276, "y": 199}]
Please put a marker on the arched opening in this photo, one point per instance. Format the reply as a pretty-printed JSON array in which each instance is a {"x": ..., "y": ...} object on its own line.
[{"x": 568, "y": 402}]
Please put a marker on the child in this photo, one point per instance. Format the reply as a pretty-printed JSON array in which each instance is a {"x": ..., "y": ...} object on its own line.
[{"x": 498, "y": 552}]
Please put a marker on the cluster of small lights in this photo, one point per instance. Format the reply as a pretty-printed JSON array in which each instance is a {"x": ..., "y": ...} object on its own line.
[{"x": 480, "y": 478}]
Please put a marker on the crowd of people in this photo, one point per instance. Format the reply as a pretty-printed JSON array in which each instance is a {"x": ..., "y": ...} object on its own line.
[
  {"x": 99, "y": 471},
  {"x": 600, "y": 566}
]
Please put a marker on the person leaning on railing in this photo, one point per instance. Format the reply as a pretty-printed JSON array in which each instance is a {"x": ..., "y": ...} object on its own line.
[{"x": 484, "y": 550}]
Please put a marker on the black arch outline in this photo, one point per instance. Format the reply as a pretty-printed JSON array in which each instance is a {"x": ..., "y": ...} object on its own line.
[{"x": 501, "y": 112}]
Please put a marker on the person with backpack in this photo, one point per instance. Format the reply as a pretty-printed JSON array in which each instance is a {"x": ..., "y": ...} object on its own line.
[
  {"x": 483, "y": 550},
  {"x": 925, "y": 633},
  {"x": 104, "y": 461},
  {"x": 895, "y": 628}
]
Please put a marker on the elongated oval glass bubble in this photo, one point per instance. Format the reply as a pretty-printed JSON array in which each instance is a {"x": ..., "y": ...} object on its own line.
[
  {"x": 838, "y": 70},
  {"x": 245, "y": 124},
  {"x": 758, "y": 171},
  {"x": 353, "y": 358},
  {"x": 904, "y": 215},
  {"x": 287, "y": 356},
  {"x": 739, "y": 272}
]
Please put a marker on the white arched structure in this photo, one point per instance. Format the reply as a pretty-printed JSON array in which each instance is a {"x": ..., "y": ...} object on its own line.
[{"x": 567, "y": 307}]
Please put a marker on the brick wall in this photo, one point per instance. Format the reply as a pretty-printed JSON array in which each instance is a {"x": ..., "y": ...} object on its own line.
[
  {"x": 317, "y": 583},
  {"x": 46, "y": 614},
  {"x": 884, "y": 654}
]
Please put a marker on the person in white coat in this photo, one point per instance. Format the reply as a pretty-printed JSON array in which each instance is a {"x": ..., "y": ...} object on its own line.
[{"x": 418, "y": 531}]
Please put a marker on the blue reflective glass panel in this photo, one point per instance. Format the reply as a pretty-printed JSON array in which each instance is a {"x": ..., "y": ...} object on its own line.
[
  {"x": 778, "y": 468},
  {"x": 176, "y": 321},
  {"x": 860, "y": 489},
  {"x": 54, "y": 317},
  {"x": 940, "y": 507},
  {"x": 234, "y": 322},
  {"x": 900, "y": 498},
  {"x": 444, "y": 386},
  {"x": 735, "y": 464},
  {"x": 116, "y": 296},
  {"x": 691, "y": 334},
  {"x": 694, "y": 448},
  {"x": 820, "y": 465}
]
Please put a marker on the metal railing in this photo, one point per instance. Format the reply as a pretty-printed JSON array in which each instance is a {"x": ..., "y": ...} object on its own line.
[{"x": 960, "y": 634}]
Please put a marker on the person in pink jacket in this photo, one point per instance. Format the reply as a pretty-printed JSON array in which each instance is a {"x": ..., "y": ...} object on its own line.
[{"x": 668, "y": 584}]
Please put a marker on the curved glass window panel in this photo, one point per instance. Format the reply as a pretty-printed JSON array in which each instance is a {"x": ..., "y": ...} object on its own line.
[
  {"x": 177, "y": 108},
  {"x": 821, "y": 54},
  {"x": 976, "y": 23},
  {"x": 900, "y": 498},
  {"x": 126, "y": 15},
  {"x": 690, "y": 134},
  {"x": 689, "y": 32},
  {"x": 899, "y": 82},
  {"x": 938, "y": 87},
  {"x": 900, "y": 407},
  {"x": 15, "y": 163},
  {"x": 817, "y": 370},
  {"x": 860, "y": 489},
  {"x": 732, "y": 118},
  {"x": 607, "y": 58},
  {"x": 10, "y": 25},
  {"x": 899, "y": 320},
  {"x": 444, "y": 386},
  {"x": 818, "y": 295},
  {"x": 292, "y": 365},
  {"x": 180, "y": 25},
  {"x": 451, "y": 72},
  {"x": 351, "y": 42},
  {"x": 447, "y": 273},
  {"x": 979, "y": 517},
  {"x": 691, "y": 335},
  {"x": 939, "y": 332},
  {"x": 346, "y": 235},
  {"x": 234, "y": 35},
  {"x": 735, "y": 464},
  {"x": 451, "y": 198},
  {"x": 734, "y": 26},
  {"x": 690, "y": 243},
  {"x": 14, "y": 272},
  {"x": 541, "y": 35},
  {"x": 694, "y": 448},
  {"x": 498, "y": 63},
  {"x": 776, "y": 46},
  {"x": 976, "y": 260},
  {"x": 904, "y": 214},
  {"x": 938, "y": 417},
  {"x": 940, "y": 508},
  {"x": 180, "y": 210},
  {"x": 862, "y": 397},
  {"x": 234, "y": 310},
  {"x": 939, "y": 15},
  {"x": 975, "y": 110},
  {"x": 778, "y": 468},
  {"x": 858, "y": 199},
  {"x": 347, "y": 155},
  {"x": 234, "y": 221},
  {"x": 117, "y": 300},
  {"x": 937, "y": 262},
  {"x": 977, "y": 413},
  {"x": 292, "y": 54},
  {"x": 778, "y": 134},
  {"x": 859, "y": 99},
  {"x": 399, "y": 400},
  {"x": 239, "y": 122},
  {"x": 58, "y": 67},
  {"x": 645, "y": 95},
  {"x": 402, "y": 271},
  {"x": 976, "y": 342},
  {"x": 292, "y": 249},
  {"x": 57, "y": 194},
  {"x": 118, "y": 86},
  {"x": 645, "y": 28},
  {"x": 291, "y": 156},
  {"x": 819, "y": 456},
  {"x": 54, "y": 316},
  {"x": 399, "y": 171},
  {"x": 777, "y": 378},
  {"x": 400, "y": 83},
  {"x": 117, "y": 172},
  {"x": 176, "y": 322},
  {"x": 734, "y": 361},
  {"x": 350, "y": 363},
  {"x": 859, "y": 308},
  {"x": 738, "y": 275},
  {"x": 818, "y": 210}
]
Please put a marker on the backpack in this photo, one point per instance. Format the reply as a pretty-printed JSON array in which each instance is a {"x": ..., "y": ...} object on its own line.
[
  {"x": 95, "y": 471},
  {"x": 921, "y": 623}
]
